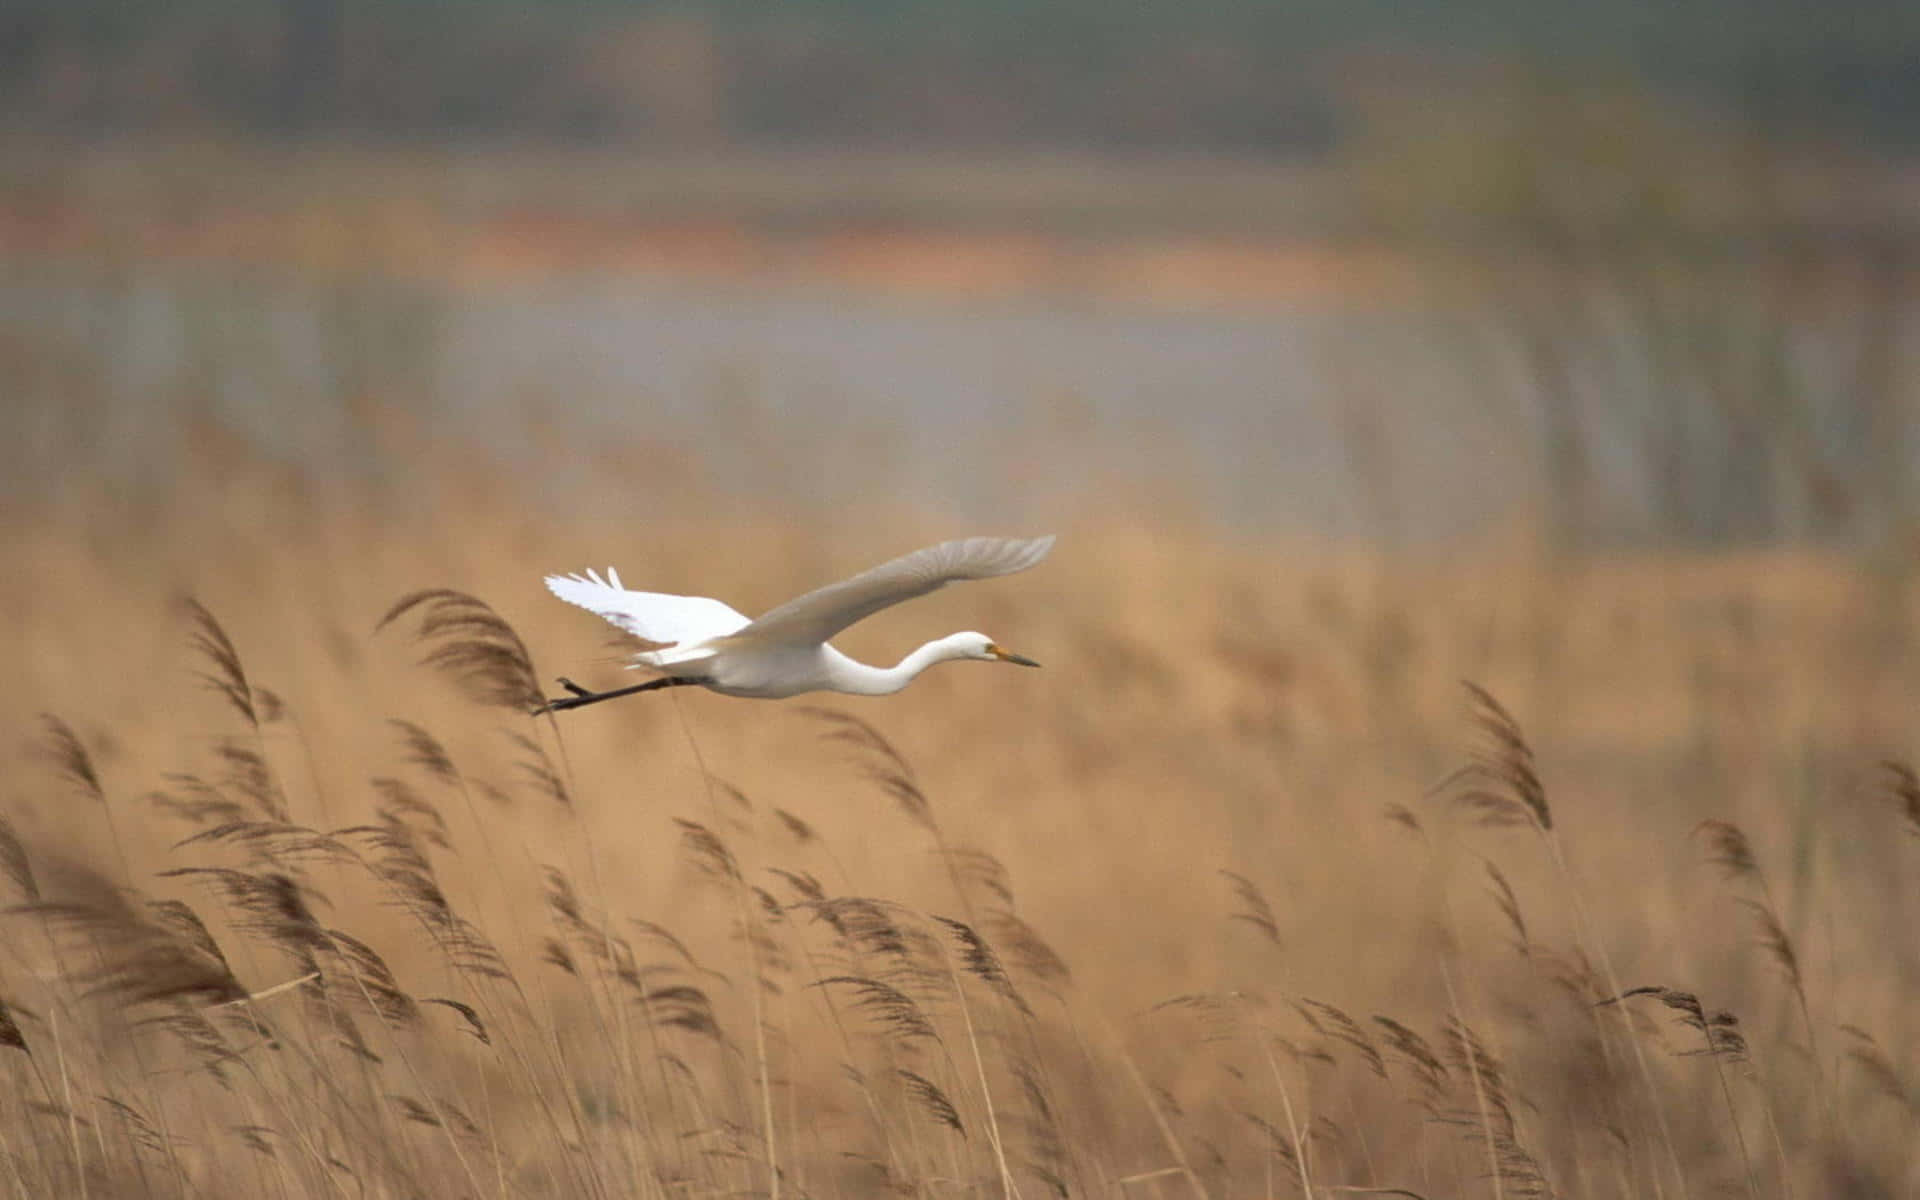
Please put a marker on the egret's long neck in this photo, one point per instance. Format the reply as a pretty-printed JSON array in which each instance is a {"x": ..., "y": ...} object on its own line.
[{"x": 859, "y": 679}]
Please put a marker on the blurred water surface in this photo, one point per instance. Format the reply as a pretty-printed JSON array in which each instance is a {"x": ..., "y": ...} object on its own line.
[{"x": 989, "y": 408}]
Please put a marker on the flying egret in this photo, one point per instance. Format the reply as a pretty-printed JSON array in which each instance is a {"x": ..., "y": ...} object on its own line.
[{"x": 785, "y": 652}]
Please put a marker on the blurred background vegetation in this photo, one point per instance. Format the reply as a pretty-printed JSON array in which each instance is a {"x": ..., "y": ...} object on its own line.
[
  {"x": 1642, "y": 273},
  {"x": 1212, "y": 75},
  {"x": 1354, "y": 349}
]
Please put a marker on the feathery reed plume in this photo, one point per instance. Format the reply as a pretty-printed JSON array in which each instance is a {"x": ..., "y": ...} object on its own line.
[
  {"x": 423, "y": 750},
  {"x": 373, "y": 980},
  {"x": 866, "y": 929},
  {"x": 983, "y": 963},
  {"x": 473, "y": 645},
  {"x": 538, "y": 770},
  {"x": 892, "y": 1008},
  {"x": 1279, "y": 1143},
  {"x": 248, "y": 774},
  {"x": 141, "y": 957},
  {"x": 851, "y": 730},
  {"x": 257, "y": 1138},
  {"x": 196, "y": 801},
  {"x": 1773, "y": 938},
  {"x": 475, "y": 1027},
  {"x": 269, "y": 704},
  {"x": 796, "y": 828},
  {"x": 1469, "y": 1056},
  {"x": 396, "y": 859},
  {"x": 1509, "y": 906},
  {"x": 1046, "y": 1153},
  {"x": 1721, "y": 1041},
  {"x": 932, "y": 1100},
  {"x": 705, "y": 852},
  {"x": 1727, "y": 848},
  {"x": 656, "y": 932},
  {"x": 1719, "y": 1030},
  {"x": 178, "y": 918},
  {"x": 888, "y": 767},
  {"x": 1254, "y": 909},
  {"x": 1401, "y": 815},
  {"x": 1502, "y": 783},
  {"x": 415, "y": 1111},
  {"x": 1329, "y": 1021},
  {"x": 905, "y": 792},
  {"x": 804, "y": 886},
  {"x": 687, "y": 1007},
  {"x": 271, "y": 842},
  {"x": 62, "y": 747},
  {"x": 224, "y": 674},
  {"x": 270, "y": 905},
  {"x": 138, "y": 1127},
  {"x": 977, "y": 868},
  {"x": 555, "y": 953},
  {"x": 1027, "y": 950},
  {"x": 10, "y": 1034},
  {"x": 1213, "y": 1015},
  {"x": 1881, "y": 1075},
  {"x": 740, "y": 799},
  {"x": 1414, "y": 1053},
  {"x": 14, "y": 862},
  {"x": 203, "y": 1044},
  {"x": 401, "y": 804}
]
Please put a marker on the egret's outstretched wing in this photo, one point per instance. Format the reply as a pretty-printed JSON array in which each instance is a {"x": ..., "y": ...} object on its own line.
[
  {"x": 651, "y": 616},
  {"x": 819, "y": 615}
]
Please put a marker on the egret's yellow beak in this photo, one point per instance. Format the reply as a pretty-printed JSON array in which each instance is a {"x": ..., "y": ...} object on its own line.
[{"x": 1016, "y": 659}]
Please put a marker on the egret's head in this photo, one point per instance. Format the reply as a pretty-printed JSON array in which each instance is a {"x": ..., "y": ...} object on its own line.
[{"x": 979, "y": 645}]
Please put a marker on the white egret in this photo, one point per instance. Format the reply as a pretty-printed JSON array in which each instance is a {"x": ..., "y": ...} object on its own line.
[{"x": 785, "y": 652}]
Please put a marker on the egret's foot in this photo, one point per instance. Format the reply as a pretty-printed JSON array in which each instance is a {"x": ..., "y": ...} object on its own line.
[
  {"x": 578, "y": 697},
  {"x": 583, "y": 696}
]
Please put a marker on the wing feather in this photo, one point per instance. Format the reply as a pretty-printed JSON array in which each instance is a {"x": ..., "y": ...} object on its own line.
[
  {"x": 820, "y": 614},
  {"x": 650, "y": 616}
]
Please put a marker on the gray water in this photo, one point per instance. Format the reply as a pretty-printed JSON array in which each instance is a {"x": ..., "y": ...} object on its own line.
[{"x": 1296, "y": 418}]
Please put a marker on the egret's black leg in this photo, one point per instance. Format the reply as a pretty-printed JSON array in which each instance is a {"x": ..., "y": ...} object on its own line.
[{"x": 581, "y": 696}]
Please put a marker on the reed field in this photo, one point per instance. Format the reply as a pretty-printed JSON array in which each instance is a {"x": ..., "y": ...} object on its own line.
[
  {"x": 1245, "y": 894},
  {"x": 1492, "y": 867}
]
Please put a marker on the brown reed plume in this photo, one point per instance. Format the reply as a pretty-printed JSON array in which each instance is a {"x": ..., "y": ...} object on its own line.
[
  {"x": 1728, "y": 848},
  {"x": 895, "y": 1011},
  {"x": 472, "y": 645},
  {"x": 932, "y": 1100},
  {"x": 884, "y": 764},
  {"x": 1329, "y": 1021},
  {"x": 1721, "y": 1041},
  {"x": 142, "y": 954},
  {"x": 224, "y": 673},
  {"x": 1254, "y": 909},
  {"x": 1501, "y": 786}
]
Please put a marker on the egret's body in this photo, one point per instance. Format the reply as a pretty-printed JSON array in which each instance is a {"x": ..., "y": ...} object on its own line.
[{"x": 786, "y": 652}]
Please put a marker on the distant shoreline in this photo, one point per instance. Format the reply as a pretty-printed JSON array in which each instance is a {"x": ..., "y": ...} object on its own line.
[{"x": 1154, "y": 230}]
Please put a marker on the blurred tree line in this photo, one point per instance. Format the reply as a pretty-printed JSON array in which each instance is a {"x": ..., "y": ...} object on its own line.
[{"x": 1220, "y": 75}]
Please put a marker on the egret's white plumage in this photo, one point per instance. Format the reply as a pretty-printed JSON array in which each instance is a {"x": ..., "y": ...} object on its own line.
[{"x": 785, "y": 652}]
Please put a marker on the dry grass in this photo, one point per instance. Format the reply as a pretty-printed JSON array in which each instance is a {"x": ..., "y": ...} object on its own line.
[{"x": 1243, "y": 895}]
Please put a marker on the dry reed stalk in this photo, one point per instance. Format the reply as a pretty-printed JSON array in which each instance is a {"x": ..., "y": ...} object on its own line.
[
  {"x": 973, "y": 1046},
  {"x": 64, "y": 748},
  {"x": 1721, "y": 1040},
  {"x": 709, "y": 849},
  {"x": 1504, "y": 785},
  {"x": 1728, "y": 848}
]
